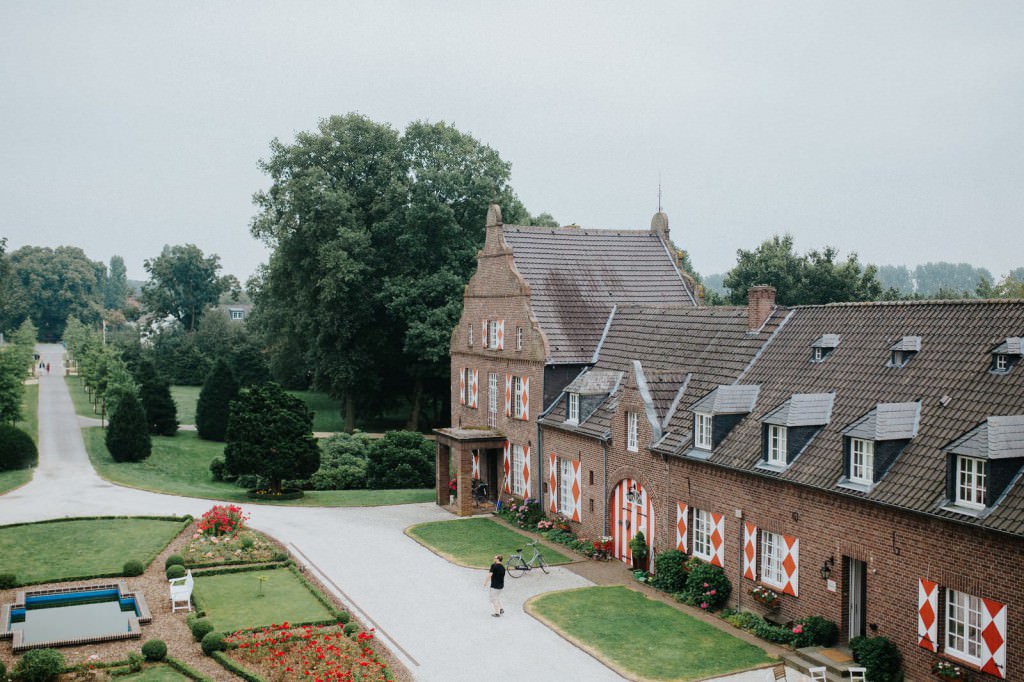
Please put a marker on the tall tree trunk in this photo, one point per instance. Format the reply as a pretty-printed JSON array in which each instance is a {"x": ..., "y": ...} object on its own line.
[
  {"x": 417, "y": 404},
  {"x": 350, "y": 413}
]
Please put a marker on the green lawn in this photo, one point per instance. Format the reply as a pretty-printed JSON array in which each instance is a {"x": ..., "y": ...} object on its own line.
[
  {"x": 159, "y": 672},
  {"x": 79, "y": 397},
  {"x": 235, "y": 601},
  {"x": 474, "y": 542},
  {"x": 9, "y": 480},
  {"x": 644, "y": 638},
  {"x": 80, "y": 548},
  {"x": 180, "y": 465},
  {"x": 185, "y": 398},
  {"x": 30, "y": 412}
]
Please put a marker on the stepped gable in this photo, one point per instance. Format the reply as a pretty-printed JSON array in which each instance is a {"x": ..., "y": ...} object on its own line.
[
  {"x": 950, "y": 376},
  {"x": 577, "y": 276}
]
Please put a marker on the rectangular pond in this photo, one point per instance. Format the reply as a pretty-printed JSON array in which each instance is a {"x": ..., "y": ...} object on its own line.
[{"x": 70, "y": 616}]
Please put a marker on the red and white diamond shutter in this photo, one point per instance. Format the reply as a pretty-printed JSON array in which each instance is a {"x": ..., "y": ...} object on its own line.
[
  {"x": 476, "y": 465},
  {"x": 508, "y": 395},
  {"x": 506, "y": 465},
  {"x": 718, "y": 540},
  {"x": 681, "y": 527},
  {"x": 524, "y": 400},
  {"x": 993, "y": 638},
  {"x": 474, "y": 388},
  {"x": 462, "y": 386},
  {"x": 526, "y": 472},
  {"x": 927, "y": 614},
  {"x": 577, "y": 489},
  {"x": 791, "y": 566},
  {"x": 749, "y": 551},
  {"x": 499, "y": 342},
  {"x": 484, "y": 334},
  {"x": 552, "y": 483}
]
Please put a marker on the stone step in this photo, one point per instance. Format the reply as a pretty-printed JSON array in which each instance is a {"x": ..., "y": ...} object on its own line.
[{"x": 812, "y": 657}]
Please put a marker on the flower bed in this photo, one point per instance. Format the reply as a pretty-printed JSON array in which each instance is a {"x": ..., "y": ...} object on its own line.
[{"x": 321, "y": 653}]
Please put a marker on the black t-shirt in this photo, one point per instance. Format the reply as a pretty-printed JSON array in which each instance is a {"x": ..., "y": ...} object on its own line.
[{"x": 497, "y": 576}]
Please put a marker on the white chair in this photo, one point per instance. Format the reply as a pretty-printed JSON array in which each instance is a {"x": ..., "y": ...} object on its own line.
[
  {"x": 857, "y": 674},
  {"x": 181, "y": 592},
  {"x": 818, "y": 674}
]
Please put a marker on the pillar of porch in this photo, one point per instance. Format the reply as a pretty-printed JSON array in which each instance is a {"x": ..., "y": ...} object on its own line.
[
  {"x": 443, "y": 474},
  {"x": 464, "y": 462}
]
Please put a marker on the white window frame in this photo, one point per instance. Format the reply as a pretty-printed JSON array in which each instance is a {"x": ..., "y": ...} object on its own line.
[
  {"x": 963, "y": 627},
  {"x": 817, "y": 354},
  {"x": 703, "y": 527},
  {"x": 702, "y": 431},
  {"x": 469, "y": 335},
  {"x": 773, "y": 554},
  {"x": 519, "y": 338},
  {"x": 971, "y": 482},
  {"x": 518, "y": 482},
  {"x": 1002, "y": 362},
  {"x": 862, "y": 461},
  {"x": 492, "y": 332},
  {"x": 565, "y": 486},
  {"x": 632, "y": 432},
  {"x": 572, "y": 409},
  {"x": 237, "y": 314},
  {"x": 517, "y": 397},
  {"x": 776, "y": 444},
  {"x": 492, "y": 399}
]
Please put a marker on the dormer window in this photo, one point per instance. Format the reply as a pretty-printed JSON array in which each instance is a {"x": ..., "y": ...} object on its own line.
[
  {"x": 817, "y": 354},
  {"x": 791, "y": 426},
  {"x": 862, "y": 461},
  {"x": 1007, "y": 354},
  {"x": 776, "y": 452},
  {"x": 823, "y": 346},
  {"x": 904, "y": 349},
  {"x": 572, "y": 410},
  {"x": 872, "y": 443},
  {"x": 982, "y": 463},
  {"x": 702, "y": 431},
  {"x": 1001, "y": 363},
  {"x": 715, "y": 415},
  {"x": 971, "y": 477}
]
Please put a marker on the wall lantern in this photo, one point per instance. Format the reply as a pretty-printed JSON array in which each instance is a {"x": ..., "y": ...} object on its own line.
[
  {"x": 826, "y": 567},
  {"x": 633, "y": 496}
]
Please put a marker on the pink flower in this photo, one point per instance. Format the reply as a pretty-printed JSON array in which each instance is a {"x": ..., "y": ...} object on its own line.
[
  {"x": 706, "y": 585},
  {"x": 703, "y": 604},
  {"x": 797, "y": 629},
  {"x": 712, "y": 592}
]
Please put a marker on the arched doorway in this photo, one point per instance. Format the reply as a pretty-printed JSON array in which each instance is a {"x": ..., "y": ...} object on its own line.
[{"x": 632, "y": 511}]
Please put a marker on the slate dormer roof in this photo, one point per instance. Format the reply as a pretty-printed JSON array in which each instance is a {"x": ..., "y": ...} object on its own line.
[
  {"x": 995, "y": 438},
  {"x": 728, "y": 400},
  {"x": 577, "y": 276},
  {"x": 887, "y": 421},
  {"x": 1013, "y": 345},
  {"x": 826, "y": 341},
  {"x": 802, "y": 409},
  {"x": 910, "y": 344},
  {"x": 594, "y": 382}
]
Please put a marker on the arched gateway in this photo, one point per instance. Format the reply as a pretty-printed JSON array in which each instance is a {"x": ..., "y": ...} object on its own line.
[{"x": 631, "y": 511}]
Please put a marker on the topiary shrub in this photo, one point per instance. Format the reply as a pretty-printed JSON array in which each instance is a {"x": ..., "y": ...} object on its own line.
[
  {"x": 38, "y": 665},
  {"x": 174, "y": 560},
  {"x": 815, "y": 631},
  {"x": 127, "y": 437},
  {"x": 17, "y": 449},
  {"x": 212, "y": 641},
  {"x": 154, "y": 650},
  {"x": 175, "y": 571},
  {"x": 155, "y": 394},
  {"x": 7, "y": 581},
  {"x": 213, "y": 407},
  {"x": 200, "y": 628},
  {"x": 706, "y": 586},
  {"x": 132, "y": 568},
  {"x": 670, "y": 571},
  {"x": 351, "y": 627},
  {"x": 218, "y": 470},
  {"x": 880, "y": 657}
]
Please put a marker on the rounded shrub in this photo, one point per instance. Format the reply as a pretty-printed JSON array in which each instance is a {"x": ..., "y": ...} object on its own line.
[
  {"x": 343, "y": 617},
  {"x": 670, "y": 571},
  {"x": 7, "y": 581},
  {"x": 38, "y": 665},
  {"x": 212, "y": 641},
  {"x": 706, "y": 586},
  {"x": 174, "y": 560},
  {"x": 815, "y": 631},
  {"x": 175, "y": 571},
  {"x": 154, "y": 650},
  {"x": 880, "y": 657},
  {"x": 17, "y": 449},
  {"x": 351, "y": 627},
  {"x": 200, "y": 628},
  {"x": 3, "y": 671},
  {"x": 132, "y": 568},
  {"x": 218, "y": 470}
]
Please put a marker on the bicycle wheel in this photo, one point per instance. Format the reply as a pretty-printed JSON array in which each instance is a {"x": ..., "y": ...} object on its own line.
[
  {"x": 516, "y": 567},
  {"x": 540, "y": 562}
]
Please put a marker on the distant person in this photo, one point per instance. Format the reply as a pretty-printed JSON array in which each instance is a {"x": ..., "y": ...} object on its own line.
[
  {"x": 496, "y": 576},
  {"x": 47, "y": 368}
]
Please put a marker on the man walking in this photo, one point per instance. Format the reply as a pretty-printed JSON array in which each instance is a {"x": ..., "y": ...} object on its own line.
[{"x": 496, "y": 576}]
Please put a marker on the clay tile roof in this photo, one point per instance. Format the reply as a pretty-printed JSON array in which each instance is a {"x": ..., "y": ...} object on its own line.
[
  {"x": 803, "y": 409},
  {"x": 996, "y": 438},
  {"x": 577, "y": 276}
]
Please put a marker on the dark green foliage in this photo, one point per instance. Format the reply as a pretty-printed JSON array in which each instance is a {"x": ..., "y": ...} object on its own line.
[
  {"x": 707, "y": 586},
  {"x": 38, "y": 665},
  {"x": 270, "y": 434},
  {"x": 135, "y": 660},
  {"x": 638, "y": 550},
  {"x": 880, "y": 657},
  {"x": 155, "y": 393},
  {"x": 200, "y": 627},
  {"x": 175, "y": 571},
  {"x": 7, "y": 581},
  {"x": 212, "y": 641},
  {"x": 218, "y": 470},
  {"x": 132, "y": 568},
  {"x": 127, "y": 434},
  {"x": 817, "y": 631},
  {"x": 17, "y": 449},
  {"x": 669, "y": 571},
  {"x": 401, "y": 459},
  {"x": 351, "y": 627},
  {"x": 154, "y": 650},
  {"x": 343, "y": 463},
  {"x": 178, "y": 358},
  {"x": 214, "y": 405},
  {"x": 184, "y": 283},
  {"x": 49, "y": 286},
  {"x": 174, "y": 560},
  {"x": 3, "y": 668},
  {"x": 343, "y": 617}
]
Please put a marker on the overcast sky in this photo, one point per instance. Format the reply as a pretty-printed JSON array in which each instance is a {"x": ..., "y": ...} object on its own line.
[{"x": 890, "y": 128}]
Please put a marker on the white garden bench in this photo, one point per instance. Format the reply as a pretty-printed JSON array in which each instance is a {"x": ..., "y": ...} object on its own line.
[{"x": 181, "y": 592}]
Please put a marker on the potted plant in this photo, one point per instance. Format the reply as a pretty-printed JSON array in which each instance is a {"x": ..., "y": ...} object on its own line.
[
  {"x": 944, "y": 670},
  {"x": 639, "y": 551},
  {"x": 453, "y": 490},
  {"x": 603, "y": 548},
  {"x": 765, "y": 597}
]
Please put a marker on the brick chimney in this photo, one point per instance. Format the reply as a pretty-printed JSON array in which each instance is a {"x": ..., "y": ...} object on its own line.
[{"x": 760, "y": 303}]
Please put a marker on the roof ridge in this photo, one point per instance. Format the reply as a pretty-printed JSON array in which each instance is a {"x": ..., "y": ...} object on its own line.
[
  {"x": 913, "y": 302},
  {"x": 578, "y": 229}
]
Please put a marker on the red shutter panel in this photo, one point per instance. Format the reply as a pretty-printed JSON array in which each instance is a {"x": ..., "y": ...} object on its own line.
[
  {"x": 927, "y": 614},
  {"x": 475, "y": 384},
  {"x": 791, "y": 566},
  {"x": 476, "y": 465},
  {"x": 993, "y": 638},
  {"x": 552, "y": 483},
  {"x": 681, "y": 527},
  {"x": 484, "y": 340},
  {"x": 577, "y": 489},
  {"x": 506, "y": 464},
  {"x": 526, "y": 397},
  {"x": 462, "y": 386},
  {"x": 500, "y": 342},
  {"x": 526, "y": 472},
  {"x": 718, "y": 540},
  {"x": 749, "y": 551},
  {"x": 508, "y": 395}
]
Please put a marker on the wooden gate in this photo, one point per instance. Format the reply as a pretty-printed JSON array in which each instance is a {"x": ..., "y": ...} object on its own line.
[{"x": 632, "y": 511}]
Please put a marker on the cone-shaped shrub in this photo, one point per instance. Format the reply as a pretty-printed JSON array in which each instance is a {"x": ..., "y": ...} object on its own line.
[
  {"x": 127, "y": 435},
  {"x": 215, "y": 402},
  {"x": 155, "y": 392}
]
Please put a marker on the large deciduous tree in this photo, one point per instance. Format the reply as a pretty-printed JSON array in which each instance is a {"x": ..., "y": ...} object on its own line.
[
  {"x": 270, "y": 434},
  {"x": 183, "y": 283},
  {"x": 51, "y": 285}
]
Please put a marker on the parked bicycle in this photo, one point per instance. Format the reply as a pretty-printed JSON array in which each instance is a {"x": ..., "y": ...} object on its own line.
[
  {"x": 480, "y": 492},
  {"x": 517, "y": 565}
]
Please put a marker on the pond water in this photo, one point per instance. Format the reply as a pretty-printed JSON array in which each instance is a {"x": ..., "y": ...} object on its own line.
[{"x": 75, "y": 616}]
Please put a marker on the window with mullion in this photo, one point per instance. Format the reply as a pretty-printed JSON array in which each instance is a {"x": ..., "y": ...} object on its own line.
[
  {"x": 517, "y": 397},
  {"x": 565, "y": 487},
  {"x": 963, "y": 626},
  {"x": 776, "y": 444},
  {"x": 518, "y": 482},
  {"x": 773, "y": 553},
  {"x": 702, "y": 431},
  {"x": 972, "y": 477},
  {"x": 703, "y": 527},
  {"x": 632, "y": 432},
  {"x": 572, "y": 414},
  {"x": 862, "y": 461},
  {"x": 492, "y": 399}
]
